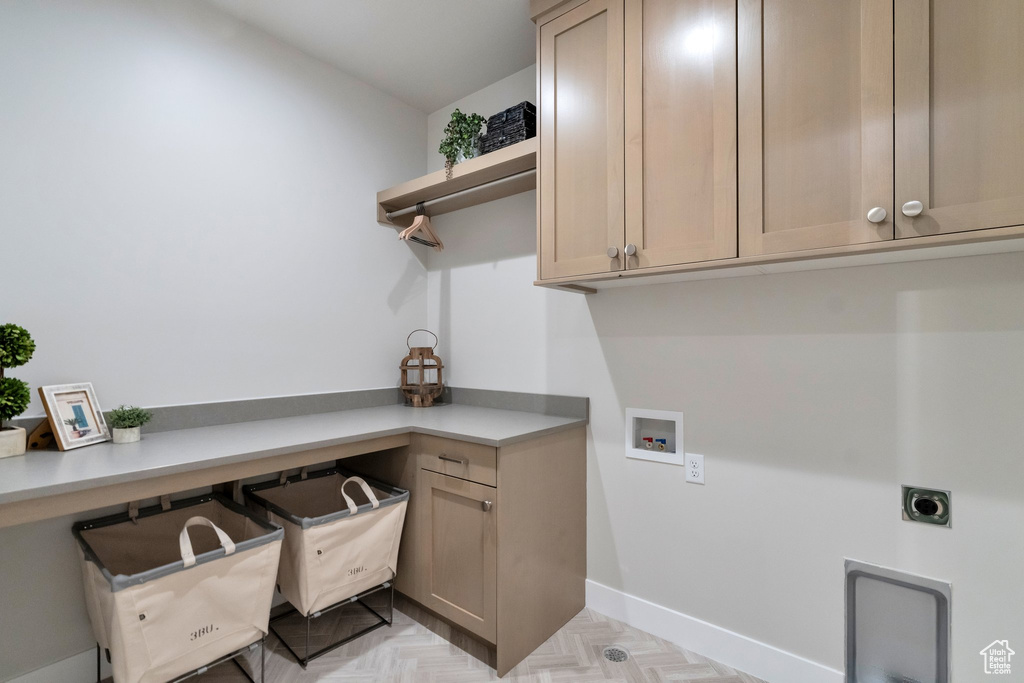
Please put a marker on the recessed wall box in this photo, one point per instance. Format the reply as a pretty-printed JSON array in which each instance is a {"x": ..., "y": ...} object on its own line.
[
  {"x": 654, "y": 435},
  {"x": 897, "y": 626}
]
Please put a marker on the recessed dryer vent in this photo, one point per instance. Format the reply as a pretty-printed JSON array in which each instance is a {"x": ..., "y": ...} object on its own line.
[
  {"x": 654, "y": 435},
  {"x": 897, "y": 626}
]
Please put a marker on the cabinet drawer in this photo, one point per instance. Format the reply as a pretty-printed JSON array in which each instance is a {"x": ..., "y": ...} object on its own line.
[{"x": 470, "y": 461}]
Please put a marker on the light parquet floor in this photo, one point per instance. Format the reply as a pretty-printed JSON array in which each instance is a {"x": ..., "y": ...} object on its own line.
[{"x": 415, "y": 652}]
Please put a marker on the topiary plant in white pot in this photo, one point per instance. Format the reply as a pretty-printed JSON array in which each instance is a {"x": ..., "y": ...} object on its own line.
[
  {"x": 16, "y": 348},
  {"x": 126, "y": 423}
]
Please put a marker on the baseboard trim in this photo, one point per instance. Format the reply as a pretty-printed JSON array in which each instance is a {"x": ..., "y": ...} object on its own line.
[
  {"x": 732, "y": 649},
  {"x": 80, "y": 668}
]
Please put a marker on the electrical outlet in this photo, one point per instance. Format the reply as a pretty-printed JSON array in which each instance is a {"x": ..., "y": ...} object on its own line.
[{"x": 694, "y": 468}]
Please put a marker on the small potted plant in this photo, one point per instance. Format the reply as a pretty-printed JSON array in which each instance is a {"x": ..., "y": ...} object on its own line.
[
  {"x": 461, "y": 139},
  {"x": 16, "y": 348},
  {"x": 126, "y": 423}
]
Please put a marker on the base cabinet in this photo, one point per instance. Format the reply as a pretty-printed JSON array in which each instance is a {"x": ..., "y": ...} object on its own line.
[{"x": 494, "y": 541}]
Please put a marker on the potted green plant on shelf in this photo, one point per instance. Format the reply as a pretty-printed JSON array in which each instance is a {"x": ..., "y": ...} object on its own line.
[
  {"x": 16, "y": 348},
  {"x": 461, "y": 139},
  {"x": 126, "y": 423}
]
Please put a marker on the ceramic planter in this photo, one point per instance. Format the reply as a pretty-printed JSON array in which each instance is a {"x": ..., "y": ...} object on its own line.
[
  {"x": 12, "y": 441},
  {"x": 476, "y": 152},
  {"x": 129, "y": 435}
]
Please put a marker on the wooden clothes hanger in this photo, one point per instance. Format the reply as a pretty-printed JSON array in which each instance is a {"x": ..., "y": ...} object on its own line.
[{"x": 421, "y": 224}]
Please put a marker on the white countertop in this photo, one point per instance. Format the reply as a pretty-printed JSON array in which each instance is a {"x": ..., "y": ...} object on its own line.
[{"x": 45, "y": 473}]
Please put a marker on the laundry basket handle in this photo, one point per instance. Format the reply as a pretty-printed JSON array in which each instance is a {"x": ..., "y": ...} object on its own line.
[
  {"x": 352, "y": 507},
  {"x": 185, "y": 543}
]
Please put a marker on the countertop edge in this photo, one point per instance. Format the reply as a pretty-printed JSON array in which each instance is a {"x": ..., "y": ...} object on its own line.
[
  {"x": 499, "y": 443},
  {"x": 69, "y": 487},
  {"x": 193, "y": 466}
]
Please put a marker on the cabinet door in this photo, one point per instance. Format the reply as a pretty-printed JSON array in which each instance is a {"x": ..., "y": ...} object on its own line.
[
  {"x": 959, "y": 115},
  {"x": 815, "y": 123},
  {"x": 680, "y": 131},
  {"x": 581, "y": 147},
  {"x": 460, "y": 540}
]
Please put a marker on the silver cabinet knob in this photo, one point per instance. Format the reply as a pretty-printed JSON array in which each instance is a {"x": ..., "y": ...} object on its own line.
[
  {"x": 630, "y": 250},
  {"x": 877, "y": 215},
  {"x": 486, "y": 505},
  {"x": 613, "y": 252},
  {"x": 913, "y": 209}
]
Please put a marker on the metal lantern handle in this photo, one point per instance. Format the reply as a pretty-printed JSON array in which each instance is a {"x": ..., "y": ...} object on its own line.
[{"x": 436, "y": 340}]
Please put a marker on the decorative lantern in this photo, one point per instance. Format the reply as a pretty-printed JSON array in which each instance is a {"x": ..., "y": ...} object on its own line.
[{"x": 422, "y": 382}]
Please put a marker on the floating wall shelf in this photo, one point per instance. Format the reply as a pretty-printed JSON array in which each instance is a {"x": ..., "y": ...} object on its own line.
[{"x": 512, "y": 165}]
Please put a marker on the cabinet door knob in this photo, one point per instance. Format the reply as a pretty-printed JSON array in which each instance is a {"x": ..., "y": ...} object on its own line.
[
  {"x": 630, "y": 250},
  {"x": 486, "y": 505},
  {"x": 877, "y": 215},
  {"x": 613, "y": 252},
  {"x": 913, "y": 208}
]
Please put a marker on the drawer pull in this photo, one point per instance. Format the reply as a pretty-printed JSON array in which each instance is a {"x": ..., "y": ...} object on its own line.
[
  {"x": 447, "y": 459},
  {"x": 486, "y": 505}
]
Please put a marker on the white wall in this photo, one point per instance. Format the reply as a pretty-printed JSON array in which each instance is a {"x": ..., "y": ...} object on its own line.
[
  {"x": 187, "y": 215},
  {"x": 188, "y": 207},
  {"x": 812, "y": 395}
]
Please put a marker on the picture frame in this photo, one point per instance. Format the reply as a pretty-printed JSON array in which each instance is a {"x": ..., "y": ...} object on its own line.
[{"x": 75, "y": 415}]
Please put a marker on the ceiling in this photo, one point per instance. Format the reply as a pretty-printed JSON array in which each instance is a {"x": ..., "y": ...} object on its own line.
[{"x": 427, "y": 53}]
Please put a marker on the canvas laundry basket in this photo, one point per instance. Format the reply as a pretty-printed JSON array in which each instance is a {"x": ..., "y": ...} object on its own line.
[
  {"x": 179, "y": 587},
  {"x": 341, "y": 534}
]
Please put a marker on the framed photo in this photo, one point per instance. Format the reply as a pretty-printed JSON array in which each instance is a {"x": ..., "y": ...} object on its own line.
[{"x": 75, "y": 415}]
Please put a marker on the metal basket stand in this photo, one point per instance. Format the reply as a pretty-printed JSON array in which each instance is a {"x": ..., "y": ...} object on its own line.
[
  {"x": 233, "y": 657},
  {"x": 382, "y": 621}
]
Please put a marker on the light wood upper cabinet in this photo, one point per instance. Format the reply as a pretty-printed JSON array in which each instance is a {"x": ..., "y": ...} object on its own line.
[
  {"x": 959, "y": 115},
  {"x": 816, "y": 127},
  {"x": 755, "y": 132},
  {"x": 581, "y": 162},
  {"x": 680, "y": 131}
]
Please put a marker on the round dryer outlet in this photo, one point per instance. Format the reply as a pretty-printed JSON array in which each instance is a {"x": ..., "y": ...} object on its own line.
[{"x": 929, "y": 506}]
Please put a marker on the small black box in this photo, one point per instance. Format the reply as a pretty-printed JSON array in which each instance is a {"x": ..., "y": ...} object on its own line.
[{"x": 510, "y": 126}]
